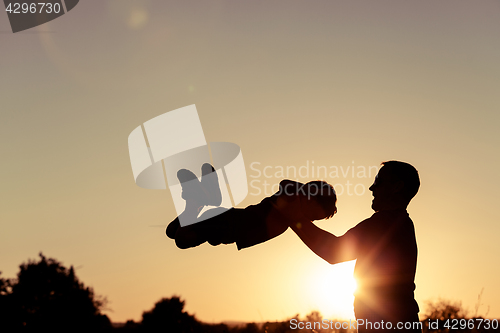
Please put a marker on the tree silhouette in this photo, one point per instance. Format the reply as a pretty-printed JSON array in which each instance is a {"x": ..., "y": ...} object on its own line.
[
  {"x": 6, "y": 313},
  {"x": 251, "y": 328},
  {"x": 4, "y": 286},
  {"x": 444, "y": 309},
  {"x": 48, "y": 296},
  {"x": 168, "y": 315}
]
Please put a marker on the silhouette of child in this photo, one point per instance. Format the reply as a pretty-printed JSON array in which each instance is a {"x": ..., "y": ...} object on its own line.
[{"x": 293, "y": 203}]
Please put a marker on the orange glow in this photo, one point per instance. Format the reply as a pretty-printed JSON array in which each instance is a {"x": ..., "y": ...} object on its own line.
[{"x": 331, "y": 289}]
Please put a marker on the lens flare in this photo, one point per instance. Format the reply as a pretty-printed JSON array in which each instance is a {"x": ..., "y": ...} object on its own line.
[{"x": 331, "y": 289}]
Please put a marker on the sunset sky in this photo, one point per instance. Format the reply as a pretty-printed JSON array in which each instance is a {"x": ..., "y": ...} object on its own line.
[{"x": 339, "y": 84}]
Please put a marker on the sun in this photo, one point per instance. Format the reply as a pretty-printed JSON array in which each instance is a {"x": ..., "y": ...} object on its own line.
[{"x": 331, "y": 288}]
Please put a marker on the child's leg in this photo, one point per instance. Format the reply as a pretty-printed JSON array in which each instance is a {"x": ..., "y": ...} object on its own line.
[
  {"x": 188, "y": 236},
  {"x": 245, "y": 227},
  {"x": 216, "y": 230}
]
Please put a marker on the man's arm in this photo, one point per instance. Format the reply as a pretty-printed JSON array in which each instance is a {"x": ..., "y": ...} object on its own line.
[{"x": 331, "y": 248}]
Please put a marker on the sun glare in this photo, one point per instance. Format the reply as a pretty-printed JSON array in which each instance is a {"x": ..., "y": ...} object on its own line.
[{"x": 331, "y": 288}]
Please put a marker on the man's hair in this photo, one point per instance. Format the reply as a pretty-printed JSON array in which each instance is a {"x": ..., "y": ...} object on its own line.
[
  {"x": 324, "y": 194},
  {"x": 401, "y": 171}
]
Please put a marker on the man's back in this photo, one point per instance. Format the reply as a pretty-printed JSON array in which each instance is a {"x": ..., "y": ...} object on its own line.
[{"x": 386, "y": 252}]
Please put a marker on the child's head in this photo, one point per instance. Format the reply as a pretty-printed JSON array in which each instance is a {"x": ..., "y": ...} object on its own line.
[{"x": 318, "y": 200}]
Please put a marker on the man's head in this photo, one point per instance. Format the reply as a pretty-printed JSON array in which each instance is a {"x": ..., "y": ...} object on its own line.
[
  {"x": 318, "y": 200},
  {"x": 395, "y": 185}
]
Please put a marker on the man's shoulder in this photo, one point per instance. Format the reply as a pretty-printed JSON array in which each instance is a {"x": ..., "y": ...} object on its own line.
[
  {"x": 360, "y": 228},
  {"x": 379, "y": 221},
  {"x": 391, "y": 216}
]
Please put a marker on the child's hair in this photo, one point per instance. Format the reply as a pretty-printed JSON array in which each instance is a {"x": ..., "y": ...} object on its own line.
[{"x": 324, "y": 194}]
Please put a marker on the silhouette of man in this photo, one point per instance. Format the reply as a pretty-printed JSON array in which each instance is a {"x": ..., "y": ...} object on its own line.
[
  {"x": 386, "y": 251},
  {"x": 384, "y": 245}
]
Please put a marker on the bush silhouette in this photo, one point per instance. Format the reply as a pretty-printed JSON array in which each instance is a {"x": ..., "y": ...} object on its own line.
[
  {"x": 442, "y": 311},
  {"x": 48, "y": 296},
  {"x": 168, "y": 315}
]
